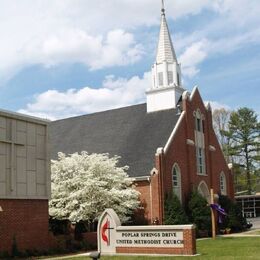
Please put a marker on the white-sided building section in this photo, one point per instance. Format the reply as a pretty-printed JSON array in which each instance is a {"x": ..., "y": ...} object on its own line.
[{"x": 250, "y": 205}]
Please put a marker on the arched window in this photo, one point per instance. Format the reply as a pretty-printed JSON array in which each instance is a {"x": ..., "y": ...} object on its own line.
[
  {"x": 176, "y": 180},
  {"x": 223, "y": 184},
  {"x": 204, "y": 191}
]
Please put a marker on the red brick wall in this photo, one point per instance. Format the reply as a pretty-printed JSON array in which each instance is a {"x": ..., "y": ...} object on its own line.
[
  {"x": 150, "y": 198},
  {"x": 185, "y": 156},
  {"x": 90, "y": 238},
  {"x": 27, "y": 220},
  {"x": 179, "y": 152},
  {"x": 144, "y": 188}
]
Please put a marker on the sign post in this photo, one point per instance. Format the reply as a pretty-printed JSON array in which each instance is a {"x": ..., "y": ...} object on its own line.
[{"x": 213, "y": 221}]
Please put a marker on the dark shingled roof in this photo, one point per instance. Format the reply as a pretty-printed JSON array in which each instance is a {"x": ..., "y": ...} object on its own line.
[{"x": 129, "y": 132}]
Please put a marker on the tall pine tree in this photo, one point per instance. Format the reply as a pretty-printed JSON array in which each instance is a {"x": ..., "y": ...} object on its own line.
[{"x": 244, "y": 134}]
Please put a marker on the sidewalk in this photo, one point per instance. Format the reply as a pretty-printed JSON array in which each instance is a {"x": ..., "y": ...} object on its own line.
[{"x": 67, "y": 256}]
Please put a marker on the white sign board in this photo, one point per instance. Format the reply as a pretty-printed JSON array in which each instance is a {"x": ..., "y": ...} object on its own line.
[
  {"x": 113, "y": 237},
  {"x": 153, "y": 238}
]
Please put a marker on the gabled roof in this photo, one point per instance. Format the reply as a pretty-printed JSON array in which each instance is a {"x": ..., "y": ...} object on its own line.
[{"x": 129, "y": 132}]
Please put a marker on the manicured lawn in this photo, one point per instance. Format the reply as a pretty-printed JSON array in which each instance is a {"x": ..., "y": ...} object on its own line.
[{"x": 221, "y": 248}]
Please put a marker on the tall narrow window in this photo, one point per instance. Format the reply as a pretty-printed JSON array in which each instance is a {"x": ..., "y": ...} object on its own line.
[
  {"x": 223, "y": 184},
  {"x": 170, "y": 77},
  {"x": 200, "y": 143},
  {"x": 160, "y": 78},
  {"x": 198, "y": 123},
  {"x": 200, "y": 160},
  {"x": 176, "y": 181}
]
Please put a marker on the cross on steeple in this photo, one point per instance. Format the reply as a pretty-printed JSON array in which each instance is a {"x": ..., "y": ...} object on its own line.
[{"x": 13, "y": 143}]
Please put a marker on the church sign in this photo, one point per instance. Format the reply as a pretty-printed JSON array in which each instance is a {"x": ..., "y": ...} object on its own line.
[{"x": 160, "y": 239}]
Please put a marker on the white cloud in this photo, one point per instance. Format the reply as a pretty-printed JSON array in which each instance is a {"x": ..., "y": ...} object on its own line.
[
  {"x": 52, "y": 31},
  {"x": 233, "y": 27},
  {"x": 192, "y": 57},
  {"x": 115, "y": 92},
  {"x": 72, "y": 46}
]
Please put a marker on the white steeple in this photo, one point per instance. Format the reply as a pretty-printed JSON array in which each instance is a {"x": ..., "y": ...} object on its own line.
[
  {"x": 166, "y": 73},
  {"x": 165, "y": 50}
]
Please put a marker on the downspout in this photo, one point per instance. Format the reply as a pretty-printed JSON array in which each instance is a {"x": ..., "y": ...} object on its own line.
[
  {"x": 161, "y": 183},
  {"x": 151, "y": 199}
]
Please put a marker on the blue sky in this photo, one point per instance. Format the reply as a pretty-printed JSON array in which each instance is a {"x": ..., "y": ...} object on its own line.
[{"x": 72, "y": 57}]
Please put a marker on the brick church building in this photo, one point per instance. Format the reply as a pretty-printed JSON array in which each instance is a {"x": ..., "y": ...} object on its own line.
[{"x": 168, "y": 142}]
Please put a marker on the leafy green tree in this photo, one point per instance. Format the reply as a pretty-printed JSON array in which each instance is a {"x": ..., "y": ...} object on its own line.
[
  {"x": 199, "y": 212},
  {"x": 234, "y": 218},
  {"x": 174, "y": 213},
  {"x": 244, "y": 134}
]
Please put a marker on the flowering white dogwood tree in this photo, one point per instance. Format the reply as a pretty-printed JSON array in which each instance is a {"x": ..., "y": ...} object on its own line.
[{"x": 83, "y": 185}]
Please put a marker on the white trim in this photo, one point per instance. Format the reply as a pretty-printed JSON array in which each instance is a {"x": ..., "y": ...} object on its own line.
[
  {"x": 159, "y": 150},
  {"x": 247, "y": 196},
  {"x": 24, "y": 198},
  {"x": 155, "y": 227},
  {"x": 153, "y": 171},
  {"x": 166, "y": 147},
  {"x": 223, "y": 183},
  {"x": 179, "y": 186},
  {"x": 159, "y": 89},
  {"x": 201, "y": 191},
  {"x": 151, "y": 200},
  {"x": 196, "y": 88},
  {"x": 190, "y": 142},
  {"x": 208, "y": 106},
  {"x": 212, "y": 148},
  {"x": 27, "y": 118},
  {"x": 186, "y": 95},
  {"x": 141, "y": 178}
]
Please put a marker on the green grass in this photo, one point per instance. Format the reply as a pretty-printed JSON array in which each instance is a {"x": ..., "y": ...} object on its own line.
[{"x": 221, "y": 248}]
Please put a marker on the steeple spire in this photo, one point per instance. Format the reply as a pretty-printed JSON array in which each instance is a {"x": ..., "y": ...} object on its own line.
[
  {"x": 165, "y": 50},
  {"x": 166, "y": 89}
]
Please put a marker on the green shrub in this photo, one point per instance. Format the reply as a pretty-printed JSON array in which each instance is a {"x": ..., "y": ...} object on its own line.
[
  {"x": 199, "y": 212},
  {"x": 234, "y": 218},
  {"x": 174, "y": 213}
]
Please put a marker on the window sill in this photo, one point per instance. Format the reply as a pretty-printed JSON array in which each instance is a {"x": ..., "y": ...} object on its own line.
[{"x": 202, "y": 174}]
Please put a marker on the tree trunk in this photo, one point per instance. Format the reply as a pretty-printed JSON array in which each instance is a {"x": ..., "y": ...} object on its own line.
[{"x": 248, "y": 172}]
